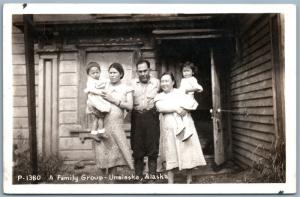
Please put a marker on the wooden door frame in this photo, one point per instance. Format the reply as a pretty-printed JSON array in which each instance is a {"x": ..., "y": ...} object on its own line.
[
  {"x": 52, "y": 148},
  {"x": 217, "y": 115}
]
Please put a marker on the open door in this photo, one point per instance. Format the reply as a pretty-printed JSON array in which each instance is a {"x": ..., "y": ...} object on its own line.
[{"x": 216, "y": 109}]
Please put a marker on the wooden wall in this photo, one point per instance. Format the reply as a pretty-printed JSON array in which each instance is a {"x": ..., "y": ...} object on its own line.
[
  {"x": 65, "y": 93},
  {"x": 252, "y": 92},
  {"x": 20, "y": 110}
]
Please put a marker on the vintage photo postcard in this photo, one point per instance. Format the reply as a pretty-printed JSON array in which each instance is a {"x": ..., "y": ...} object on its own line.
[{"x": 149, "y": 98}]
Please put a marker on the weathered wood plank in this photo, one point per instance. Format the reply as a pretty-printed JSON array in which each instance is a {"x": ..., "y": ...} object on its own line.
[
  {"x": 254, "y": 126},
  {"x": 77, "y": 154},
  {"x": 54, "y": 105},
  {"x": 252, "y": 80},
  {"x": 253, "y": 95},
  {"x": 21, "y": 80},
  {"x": 74, "y": 143},
  {"x": 82, "y": 59},
  {"x": 254, "y": 118},
  {"x": 267, "y": 137},
  {"x": 68, "y": 67},
  {"x": 19, "y": 112},
  {"x": 263, "y": 21},
  {"x": 20, "y": 123},
  {"x": 20, "y": 59},
  {"x": 21, "y": 134},
  {"x": 20, "y": 101},
  {"x": 68, "y": 91},
  {"x": 257, "y": 37},
  {"x": 67, "y": 117},
  {"x": 64, "y": 130},
  {"x": 16, "y": 30},
  {"x": 68, "y": 56},
  {"x": 251, "y": 72},
  {"x": 263, "y": 102},
  {"x": 241, "y": 161},
  {"x": 183, "y": 31},
  {"x": 68, "y": 104},
  {"x": 22, "y": 90},
  {"x": 265, "y": 49},
  {"x": 253, "y": 87},
  {"x": 18, "y": 49},
  {"x": 30, "y": 81},
  {"x": 68, "y": 79},
  {"x": 18, "y": 38},
  {"x": 253, "y": 157},
  {"x": 48, "y": 107},
  {"x": 264, "y": 42},
  {"x": 21, "y": 70},
  {"x": 255, "y": 149},
  {"x": 254, "y": 142},
  {"x": 244, "y": 67}
]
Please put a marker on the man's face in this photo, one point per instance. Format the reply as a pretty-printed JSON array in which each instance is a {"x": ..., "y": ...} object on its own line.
[{"x": 143, "y": 72}]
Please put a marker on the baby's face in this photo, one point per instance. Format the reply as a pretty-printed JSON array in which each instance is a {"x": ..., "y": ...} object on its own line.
[
  {"x": 187, "y": 72},
  {"x": 94, "y": 73}
]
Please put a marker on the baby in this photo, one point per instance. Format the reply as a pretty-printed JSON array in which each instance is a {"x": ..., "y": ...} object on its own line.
[
  {"x": 96, "y": 105},
  {"x": 188, "y": 86}
]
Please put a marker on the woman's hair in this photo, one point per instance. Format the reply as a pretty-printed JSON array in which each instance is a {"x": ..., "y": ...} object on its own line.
[
  {"x": 172, "y": 78},
  {"x": 190, "y": 65},
  {"x": 91, "y": 65},
  {"x": 118, "y": 67}
]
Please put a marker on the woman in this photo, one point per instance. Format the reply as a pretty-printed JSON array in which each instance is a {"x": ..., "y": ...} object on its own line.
[
  {"x": 114, "y": 150},
  {"x": 175, "y": 152}
]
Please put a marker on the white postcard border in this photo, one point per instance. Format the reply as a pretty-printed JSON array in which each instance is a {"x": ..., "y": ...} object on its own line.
[{"x": 289, "y": 12}]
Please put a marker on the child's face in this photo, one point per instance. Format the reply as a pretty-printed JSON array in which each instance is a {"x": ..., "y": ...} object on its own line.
[
  {"x": 187, "y": 72},
  {"x": 94, "y": 72}
]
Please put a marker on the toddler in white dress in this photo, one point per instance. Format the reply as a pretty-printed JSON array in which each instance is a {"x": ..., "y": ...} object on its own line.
[
  {"x": 188, "y": 85},
  {"x": 96, "y": 105}
]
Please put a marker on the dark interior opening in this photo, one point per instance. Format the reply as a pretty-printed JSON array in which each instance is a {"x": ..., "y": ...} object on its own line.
[{"x": 171, "y": 54}]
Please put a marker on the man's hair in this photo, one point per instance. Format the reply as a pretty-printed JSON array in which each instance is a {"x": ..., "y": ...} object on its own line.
[{"x": 141, "y": 61}]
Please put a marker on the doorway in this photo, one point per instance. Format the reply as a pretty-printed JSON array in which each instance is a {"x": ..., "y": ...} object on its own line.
[{"x": 171, "y": 55}]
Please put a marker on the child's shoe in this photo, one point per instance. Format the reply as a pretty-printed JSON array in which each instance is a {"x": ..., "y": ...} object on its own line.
[
  {"x": 101, "y": 133},
  {"x": 94, "y": 132}
]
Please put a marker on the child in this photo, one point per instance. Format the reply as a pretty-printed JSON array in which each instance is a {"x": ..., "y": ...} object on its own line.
[
  {"x": 188, "y": 85},
  {"x": 96, "y": 105}
]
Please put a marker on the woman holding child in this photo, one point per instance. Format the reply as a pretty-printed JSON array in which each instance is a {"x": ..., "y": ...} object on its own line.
[
  {"x": 177, "y": 150},
  {"x": 113, "y": 149}
]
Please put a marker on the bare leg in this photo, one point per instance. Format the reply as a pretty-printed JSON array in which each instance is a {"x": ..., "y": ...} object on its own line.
[
  {"x": 94, "y": 124},
  {"x": 189, "y": 176},
  {"x": 170, "y": 176},
  {"x": 101, "y": 130},
  {"x": 100, "y": 123}
]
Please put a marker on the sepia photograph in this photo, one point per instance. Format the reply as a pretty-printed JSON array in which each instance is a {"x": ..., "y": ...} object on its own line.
[{"x": 174, "y": 99}]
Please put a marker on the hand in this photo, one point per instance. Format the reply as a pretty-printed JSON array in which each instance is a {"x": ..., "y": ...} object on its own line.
[
  {"x": 181, "y": 111},
  {"x": 108, "y": 96}
]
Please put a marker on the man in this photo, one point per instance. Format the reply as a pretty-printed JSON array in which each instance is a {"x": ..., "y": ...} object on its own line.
[{"x": 144, "y": 122}]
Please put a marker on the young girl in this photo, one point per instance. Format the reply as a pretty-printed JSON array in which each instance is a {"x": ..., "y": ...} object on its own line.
[
  {"x": 96, "y": 105},
  {"x": 189, "y": 86}
]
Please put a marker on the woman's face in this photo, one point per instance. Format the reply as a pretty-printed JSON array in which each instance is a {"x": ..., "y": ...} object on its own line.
[
  {"x": 114, "y": 75},
  {"x": 166, "y": 83}
]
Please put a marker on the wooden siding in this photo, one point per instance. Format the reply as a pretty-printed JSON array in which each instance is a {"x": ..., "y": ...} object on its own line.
[
  {"x": 253, "y": 132},
  {"x": 70, "y": 147},
  {"x": 20, "y": 107}
]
